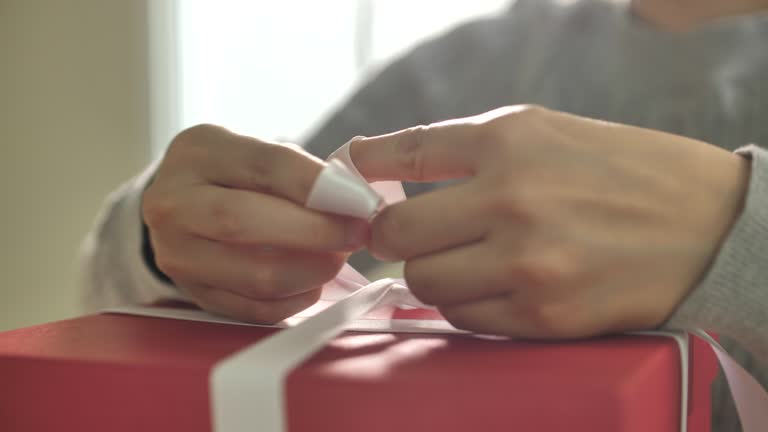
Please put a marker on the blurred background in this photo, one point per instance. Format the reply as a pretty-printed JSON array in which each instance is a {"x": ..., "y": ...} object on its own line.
[{"x": 92, "y": 90}]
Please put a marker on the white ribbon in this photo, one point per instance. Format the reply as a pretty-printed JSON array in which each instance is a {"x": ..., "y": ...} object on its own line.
[
  {"x": 749, "y": 396},
  {"x": 247, "y": 387}
]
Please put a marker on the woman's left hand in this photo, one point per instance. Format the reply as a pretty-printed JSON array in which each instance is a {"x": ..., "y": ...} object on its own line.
[{"x": 564, "y": 227}]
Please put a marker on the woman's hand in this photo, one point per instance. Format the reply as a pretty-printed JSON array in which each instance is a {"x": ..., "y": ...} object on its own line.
[
  {"x": 564, "y": 227},
  {"x": 227, "y": 225}
]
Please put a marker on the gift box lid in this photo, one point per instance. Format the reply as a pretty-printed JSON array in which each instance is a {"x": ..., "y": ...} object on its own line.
[{"x": 120, "y": 373}]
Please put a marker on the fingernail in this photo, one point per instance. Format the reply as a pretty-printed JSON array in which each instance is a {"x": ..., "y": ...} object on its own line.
[{"x": 337, "y": 190}]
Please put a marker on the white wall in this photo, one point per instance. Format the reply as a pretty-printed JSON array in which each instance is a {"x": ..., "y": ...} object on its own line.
[
  {"x": 73, "y": 124},
  {"x": 272, "y": 69},
  {"x": 74, "y": 104}
]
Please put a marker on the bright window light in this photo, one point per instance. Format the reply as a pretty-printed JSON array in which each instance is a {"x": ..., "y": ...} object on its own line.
[{"x": 272, "y": 69}]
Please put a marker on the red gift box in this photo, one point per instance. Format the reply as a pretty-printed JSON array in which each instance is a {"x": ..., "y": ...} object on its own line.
[{"x": 129, "y": 373}]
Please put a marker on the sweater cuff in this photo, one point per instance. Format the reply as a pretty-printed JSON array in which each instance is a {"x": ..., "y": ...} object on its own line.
[{"x": 732, "y": 298}]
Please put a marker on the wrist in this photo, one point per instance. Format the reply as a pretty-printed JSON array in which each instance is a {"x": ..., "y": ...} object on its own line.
[{"x": 717, "y": 201}]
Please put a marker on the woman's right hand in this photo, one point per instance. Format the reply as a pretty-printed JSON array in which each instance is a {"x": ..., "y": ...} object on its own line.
[{"x": 227, "y": 224}]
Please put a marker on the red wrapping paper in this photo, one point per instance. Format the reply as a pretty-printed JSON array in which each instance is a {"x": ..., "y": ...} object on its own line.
[{"x": 128, "y": 373}]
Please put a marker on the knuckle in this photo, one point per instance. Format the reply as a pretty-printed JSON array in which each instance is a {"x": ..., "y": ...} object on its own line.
[
  {"x": 275, "y": 154},
  {"x": 410, "y": 148},
  {"x": 503, "y": 127},
  {"x": 539, "y": 274},
  {"x": 157, "y": 209},
  {"x": 295, "y": 148},
  {"x": 193, "y": 139},
  {"x": 264, "y": 283},
  {"x": 512, "y": 201},
  {"x": 523, "y": 113},
  {"x": 202, "y": 130},
  {"x": 298, "y": 187},
  {"x": 513, "y": 122},
  {"x": 226, "y": 224},
  {"x": 267, "y": 164},
  {"x": 556, "y": 320},
  {"x": 547, "y": 318},
  {"x": 493, "y": 134},
  {"x": 560, "y": 266},
  {"x": 388, "y": 227},
  {"x": 256, "y": 172},
  {"x": 530, "y": 111}
]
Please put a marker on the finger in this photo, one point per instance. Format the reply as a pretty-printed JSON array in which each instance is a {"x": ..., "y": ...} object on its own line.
[
  {"x": 460, "y": 275},
  {"x": 423, "y": 153},
  {"x": 504, "y": 315},
  {"x": 429, "y": 223},
  {"x": 506, "y": 263},
  {"x": 247, "y": 271},
  {"x": 241, "y": 308},
  {"x": 243, "y": 162},
  {"x": 245, "y": 217}
]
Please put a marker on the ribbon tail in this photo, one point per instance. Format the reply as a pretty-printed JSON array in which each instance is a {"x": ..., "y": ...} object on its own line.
[{"x": 749, "y": 397}]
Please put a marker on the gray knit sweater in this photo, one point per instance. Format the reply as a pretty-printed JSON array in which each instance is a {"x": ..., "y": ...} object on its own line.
[{"x": 589, "y": 57}]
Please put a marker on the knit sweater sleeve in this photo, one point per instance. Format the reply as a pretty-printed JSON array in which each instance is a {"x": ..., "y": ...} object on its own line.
[
  {"x": 113, "y": 267},
  {"x": 732, "y": 298}
]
